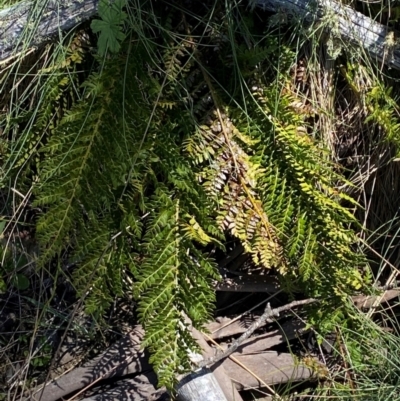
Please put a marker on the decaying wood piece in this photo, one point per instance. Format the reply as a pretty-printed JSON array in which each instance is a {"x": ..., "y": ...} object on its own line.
[
  {"x": 123, "y": 358},
  {"x": 344, "y": 24},
  {"x": 367, "y": 301},
  {"x": 138, "y": 388},
  {"x": 226, "y": 327},
  {"x": 287, "y": 332},
  {"x": 33, "y": 23},
  {"x": 271, "y": 367},
  {"x": 27, "y": 25}
]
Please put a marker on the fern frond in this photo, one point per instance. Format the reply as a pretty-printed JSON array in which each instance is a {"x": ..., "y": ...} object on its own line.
[
  {"x": 74, "y": 178},
  {"x": 172, "y": 281},
  {"x": 165, "y": 152},
  {"x": 300, "y": 193},
  {"x": 230, "y": 178}
]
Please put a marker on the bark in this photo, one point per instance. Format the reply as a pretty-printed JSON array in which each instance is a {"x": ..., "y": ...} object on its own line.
[
  {"x": 344, "y": 23},
  {"x": 27, "y": 25}
]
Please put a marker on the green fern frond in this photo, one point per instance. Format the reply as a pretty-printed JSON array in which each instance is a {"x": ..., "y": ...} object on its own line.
[
  {"x": 172, "y": 281},
  {"x": 230, "y": 178},
  {"x": 316, "y": 225}
]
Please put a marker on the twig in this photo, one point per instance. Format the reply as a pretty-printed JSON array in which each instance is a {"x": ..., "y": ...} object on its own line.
[{"x": 268, "y": 314}]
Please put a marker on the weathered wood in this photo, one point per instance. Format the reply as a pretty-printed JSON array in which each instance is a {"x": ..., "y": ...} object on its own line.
[
  {"x": 226, "y": 327},
  {"x": 123, "y": 358},
  {"x": 31, "y": 24},
  {"x": 126, "y": 357},
  {"x": 266, "y": 341},
  {"x": 265, "y": 317},
  {"x": 28, "y": 25},
  {"x": 342, "y": 21},
  {"x": 270, "y": 367},
  {"x": 367, "y": 301},
  {"x": 138, "y": 388}
]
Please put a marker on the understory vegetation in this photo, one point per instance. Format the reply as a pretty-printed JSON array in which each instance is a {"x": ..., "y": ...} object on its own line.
[{"x": 137, "y": 148}]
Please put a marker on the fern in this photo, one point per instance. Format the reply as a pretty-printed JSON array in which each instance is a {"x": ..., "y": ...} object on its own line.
[
  {"x": 320, "y": 237},
  {"x": 120, "y": 193},
  {"x": 165, "y": 153},
  {"x": 229, "y": 178},
  {"x": 171, "y": 279}
]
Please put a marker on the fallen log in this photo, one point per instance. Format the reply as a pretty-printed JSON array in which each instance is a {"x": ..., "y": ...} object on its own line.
[
  {"x": 28, "y": 24},
  {"x": 344, "y": 23},
  {"x": 32, "y": 24}
]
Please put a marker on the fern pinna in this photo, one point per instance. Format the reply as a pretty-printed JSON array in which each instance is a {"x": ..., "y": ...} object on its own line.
[{"x": 165, "y": 154}]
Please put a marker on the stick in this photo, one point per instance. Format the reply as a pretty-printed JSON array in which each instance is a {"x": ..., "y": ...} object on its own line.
[{"x": 268, "y": 314}]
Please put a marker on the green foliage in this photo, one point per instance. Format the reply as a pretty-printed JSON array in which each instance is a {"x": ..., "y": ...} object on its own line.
[
  {"x": 129, "y": 202},
  {"x": 371, "y": 355},
  {"x": 299, "y": 196},
  {"x": 111, "y": 34},
  {"x": 165, "y": 152},
  {"x": 383, "y": 111},
  {"x": 381, "y": 108},
  {"x": 21, "y": 282},
  {"x": 31, "y": 124}
]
